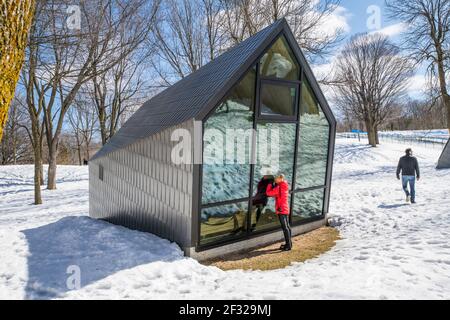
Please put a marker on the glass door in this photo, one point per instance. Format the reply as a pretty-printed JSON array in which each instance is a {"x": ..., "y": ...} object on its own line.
[{"x": 275, "y": 152}]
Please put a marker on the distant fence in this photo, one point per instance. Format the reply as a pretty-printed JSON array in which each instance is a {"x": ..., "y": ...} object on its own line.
[{"x": 427, "y": 140}]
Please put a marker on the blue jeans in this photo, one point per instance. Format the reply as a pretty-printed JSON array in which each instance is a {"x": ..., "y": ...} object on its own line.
[
  {"x": 284, "y": 221},
  {"x": 412, "y": 186}
]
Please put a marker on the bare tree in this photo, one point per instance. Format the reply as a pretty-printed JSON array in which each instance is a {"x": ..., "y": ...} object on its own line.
[
  {"x": 427, "y": 37},
  {"x": 34, "y": 102},
  {"x": 307, "y": 19},
  {"x": 123, "y": 86},
  {"x": 75, "y": 115},
  {"x": 212, "y": 11},
  {"x": 83, "y": 119},
  {"x": 15, "y": 147},
  {"x": 69, "y": 58},
  {"x": 60, "y": 59},
  {"x": 186, "y": 36},
  {"x": 190, "y": 33},
  {"x": 421, "y": 115},
  {"x": 370, "y": 78}
]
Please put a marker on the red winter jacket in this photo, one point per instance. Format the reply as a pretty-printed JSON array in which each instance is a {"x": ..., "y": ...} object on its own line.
[{"x": 281, "y": 194}]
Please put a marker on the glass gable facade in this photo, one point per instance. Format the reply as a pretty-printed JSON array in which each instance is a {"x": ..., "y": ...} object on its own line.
[{"x": 269, "y": 123}]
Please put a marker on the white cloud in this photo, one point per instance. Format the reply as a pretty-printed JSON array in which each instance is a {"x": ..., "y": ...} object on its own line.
[
  {"x": 335, "y": 22},
  {"x": 323, "y": 72},
  {"x": 418, "y": 84},
  {"x": 392, "y": 30}
]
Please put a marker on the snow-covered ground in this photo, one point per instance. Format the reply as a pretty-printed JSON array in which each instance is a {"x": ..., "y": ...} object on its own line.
[
  {"x": 437, "y": 136},
  {"x": 389, "y": 250},
  {"x": 419, "y": 133}
]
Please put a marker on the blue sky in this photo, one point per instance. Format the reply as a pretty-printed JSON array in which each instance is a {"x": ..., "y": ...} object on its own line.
[
  {"x": 355, "y": 16},
  {"x": 358, "y": 14}
]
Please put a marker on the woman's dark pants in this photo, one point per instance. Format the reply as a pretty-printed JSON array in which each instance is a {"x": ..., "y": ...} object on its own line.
[{"x": 284, "y": 221}]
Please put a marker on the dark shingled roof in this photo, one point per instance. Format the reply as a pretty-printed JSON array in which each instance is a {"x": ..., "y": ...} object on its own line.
[
  {"x": 444, "y": 159},
  {"x": 194, "y": 96}
]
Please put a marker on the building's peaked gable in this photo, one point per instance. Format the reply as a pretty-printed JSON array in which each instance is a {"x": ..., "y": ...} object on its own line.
[
  {"x": 444, "y": 159},
  {"x": 309, "y": 75},
  {"x": 195, "y": 95}
]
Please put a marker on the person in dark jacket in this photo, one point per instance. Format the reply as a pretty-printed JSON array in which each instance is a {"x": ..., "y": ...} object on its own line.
[
  {"x": 260, "y": 199},
  {"x": 281, "y": 194},
  {"x": 408, "y": 166}
]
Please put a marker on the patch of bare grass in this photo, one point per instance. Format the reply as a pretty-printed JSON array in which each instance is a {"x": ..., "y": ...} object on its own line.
[{"x": 306, "y": 246}]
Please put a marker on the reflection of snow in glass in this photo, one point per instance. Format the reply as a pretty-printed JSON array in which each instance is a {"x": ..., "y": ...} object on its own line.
[
  {"x": 281, "y": 158},
  {"x": 308, "y": 204},
  {"x": 313, "y": 150},
  {"x": 228, "y": 181},
  {"x": 279, "y": 66}
]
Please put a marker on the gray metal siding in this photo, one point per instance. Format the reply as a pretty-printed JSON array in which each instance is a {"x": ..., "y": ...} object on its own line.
[{"x": 142, "y": 189}]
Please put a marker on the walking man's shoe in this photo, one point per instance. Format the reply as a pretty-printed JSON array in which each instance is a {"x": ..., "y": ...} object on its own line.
[{"x": 407, "y": 199}]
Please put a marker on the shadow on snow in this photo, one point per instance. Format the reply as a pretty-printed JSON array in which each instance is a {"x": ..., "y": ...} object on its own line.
[
  {"x": 393, "y": 206},
  {"x": 97, "y": 248}
]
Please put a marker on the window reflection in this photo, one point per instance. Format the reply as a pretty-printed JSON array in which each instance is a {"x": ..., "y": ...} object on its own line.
[
  {"x": 223, "y": 221},
  {"x": 308, "y": 204},
  {"x": 279, "y": 62},
  {"x": 313, "y": 142},
  {"x": 278, "y": 100},
  {"x": 227, "y": 143},
  {"x": 275, "y": 154}
]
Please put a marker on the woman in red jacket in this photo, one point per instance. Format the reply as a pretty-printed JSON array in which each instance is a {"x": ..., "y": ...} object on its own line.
[{"x": 281, "y": 194}]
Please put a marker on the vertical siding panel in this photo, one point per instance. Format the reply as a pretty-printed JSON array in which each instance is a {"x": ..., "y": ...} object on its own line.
[{"x": 143, "y": 189}]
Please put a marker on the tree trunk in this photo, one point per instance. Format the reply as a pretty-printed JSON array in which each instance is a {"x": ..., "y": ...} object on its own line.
[
  {"x": 79, "y": 155},
  {"x": 371, "y": 134},
  {"x": 51, "y": 175},
  {"x": 14, "y": 146},
  {"x": 41, "y": 170},
  {"x": 78, "y": 149},
  {"x": 37, "y": 178},
  {"x": 377, "y": 138},
  {"x": 37, "y": 165},
  {"x": 103, "y": 132},
  {"x": 447, "y": 108},
  {"x": 443, "y": 81},
  {"x": 14, "y": 135},
  {"x": 41, "y": 166},
  {"x": 52, "y": 159},
  {"x": 88, "y": 154}
]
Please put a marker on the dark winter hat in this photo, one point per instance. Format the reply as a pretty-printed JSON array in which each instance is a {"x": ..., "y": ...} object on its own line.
[{"x": 408, "y": 151}]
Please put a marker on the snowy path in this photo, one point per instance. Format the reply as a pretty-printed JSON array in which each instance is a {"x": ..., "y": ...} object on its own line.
[{"x": 389, "y": 250}]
